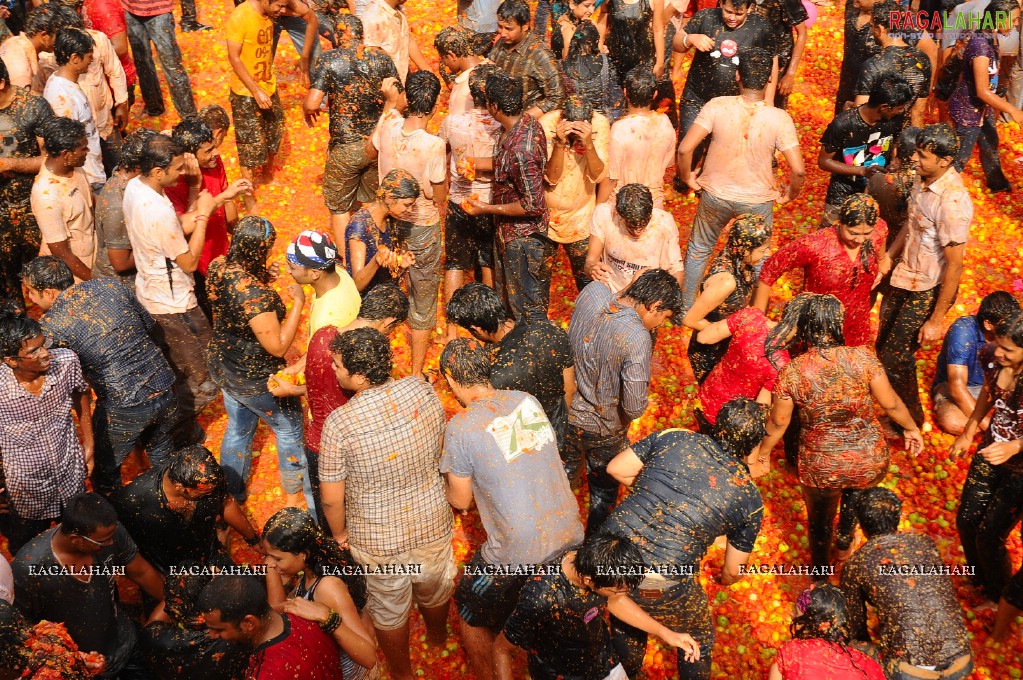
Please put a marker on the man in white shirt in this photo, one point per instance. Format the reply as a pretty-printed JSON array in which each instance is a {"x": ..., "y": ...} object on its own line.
[
  {"x": 73, "y": 51},
  {"x": 385, "y": 26},
  {"x": 165, "y": 261}
]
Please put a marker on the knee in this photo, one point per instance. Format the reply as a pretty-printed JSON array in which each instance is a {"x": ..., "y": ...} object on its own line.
[{"x": 950, "y": 420}]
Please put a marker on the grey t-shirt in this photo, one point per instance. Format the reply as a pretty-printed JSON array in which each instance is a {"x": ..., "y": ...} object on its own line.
[
  {"x": 507, "y": 446},
  {"x": 111, "y": 231}
]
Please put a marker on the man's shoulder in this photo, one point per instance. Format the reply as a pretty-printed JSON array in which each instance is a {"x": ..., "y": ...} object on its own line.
[
  {"x": 34, "y": 553},
  {"x": 964, "y": 329}
]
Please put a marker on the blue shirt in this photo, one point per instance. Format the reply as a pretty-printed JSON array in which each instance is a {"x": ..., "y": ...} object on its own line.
[
  {"x": 363, "y": 228},
  {"x": 106, "y": 326},
  {"x": 961, "y": 347}
]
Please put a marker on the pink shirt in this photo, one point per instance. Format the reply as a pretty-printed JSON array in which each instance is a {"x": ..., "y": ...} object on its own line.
[
  {"x": 417, "y": 152},
  {"x": 657, "y": 245},
  {"x": 387, "y": 28},
  {"x": 22, "y": 63},
  {"x": 642, "y": 150}
]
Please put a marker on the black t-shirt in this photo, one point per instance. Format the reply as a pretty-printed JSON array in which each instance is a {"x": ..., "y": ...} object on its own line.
[
  {"x": 688, "y": 493},
  {"x": 532, "y": 358},
  {"x": 859, "y": 46},
  {"x": 21, "y": 126},
  {"x": 712, "y": 74},
  {"x": 165, "y": 537},
  {"x": 351, "y": 79},
  {"x": 176, "y": 652},
  {"x": 91, "y": 610},
  {"x": 237, "y": 360},
  {"x": 855, "y": 143},
  {"x": 783, "y": 16},
  {"x": 564, "y": 629},
  {"x": 908, "y": 61}
]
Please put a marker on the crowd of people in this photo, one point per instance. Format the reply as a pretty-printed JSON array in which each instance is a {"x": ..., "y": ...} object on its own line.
[{"x": 138, "y": 289}]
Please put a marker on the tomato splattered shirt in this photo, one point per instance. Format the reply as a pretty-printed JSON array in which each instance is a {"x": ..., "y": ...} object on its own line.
[
  {"x": 302, "y": 650},
  {"x": 828, "y": 269}
]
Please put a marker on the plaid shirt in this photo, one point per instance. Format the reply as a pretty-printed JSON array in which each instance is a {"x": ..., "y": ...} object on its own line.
[
  {"x": 519, "y": 164},
  {"x": 533, "y": 63},
  {"x": 42, "y": 457},
  {"x": 385, "y": 444}
]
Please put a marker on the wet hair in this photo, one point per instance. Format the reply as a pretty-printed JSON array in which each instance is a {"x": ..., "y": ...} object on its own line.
[
  {"x": 16, "y": 328},
  {"x": 85, "y": 513},
  {"x": 195, "y": 466},
  {"x": 71, "y": 42},
  {"x": 515, "y": 10},
  {"x": 860, "y": 209},
  {"x": 181, "y": 591},
  {"x": 585, "y": 41},
  {"x": 640, "y": 87},
  {"x": 385, "y": 301},
  {"x": 755, "y": 65},
  {"x": 421, "y": 90},
  {"x": 893, "y": 90},
  {"x": 466, "y": 361},
  {"x": 996, "y": 14},
  {"x": 477, "y": 305},
  {"x": 482, "y": 44},
  {"x": 740, "y": 426},
  {"x": 215, "y": 117},
  {"x": 42, "y": 19},
  {"x": 878, "y": 511},
  {"x": 62, "y": 135},
  {"x": 635, "y": 204},
  {"x": 505, "y": 93},
  {"x": 48, "y": 273},
  {"x": 736, "y": 4},
  {"x": 939, "y": 139},
  {"x": 823, "y": 324},
  {"x": 610, "y": 561},
  {"x": 882, "y": 13},
  {"x": 365, "y": 352},
  {"x": 657, "y": 286},
  {"x": 398, "y": 184},
  {"x": 456, "y": 41},
  {"x": 478, "y": 84},
  {"x": 251, "y": 241},
  {"x": 994, "y": 308},
  {"x": 131, "y": 148},
  {"x": 748, "y": 232},
  {"x": 352, "y": 24},
  {"x": 905, "y": 146},
  {"x": 66, "y": 16},
  {"x": 192, "y": 133},
  {"x": 577, "y": 109},
  {"x": 793, "y": 319},
  {"x": 159, "y": 151},
  {"x": 293, "y": 530},
  {"x": 1011, "y": 328},
  {"x": 5, "y": 77},
  {"x": 235, "y": 597},
  {"x": 824, "y": 617}
]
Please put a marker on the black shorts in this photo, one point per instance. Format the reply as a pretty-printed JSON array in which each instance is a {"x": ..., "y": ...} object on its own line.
[
  {"x": 468, "y": 240},
  {"x": 486, "y": 601}
]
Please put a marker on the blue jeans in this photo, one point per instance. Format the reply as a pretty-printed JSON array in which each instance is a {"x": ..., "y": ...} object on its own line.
[
  {"x": 987, "y": 136},
  {"x": 523, "y": 271},
  {"x": 597, "y": 451},
  {"x": 712, "y": 214},
  {"x": 295, "y": 26},
  {"x": 119, "y": 428},
  {"x": 284, "y": 417},
  {"x": 159, "y": 31}
]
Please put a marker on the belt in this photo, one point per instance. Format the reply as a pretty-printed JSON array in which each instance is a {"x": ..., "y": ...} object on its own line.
[{"x": 956, "y": 666}]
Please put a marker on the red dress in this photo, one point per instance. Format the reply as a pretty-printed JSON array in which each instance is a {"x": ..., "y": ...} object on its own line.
[
  {"x": 323, "y": 392},
  {"x": 302, "y": 651},
  {"x": 744, "y": 370},
  {"x": 817, "y": 659},
  {"x": 214, "y": 180},
  {"x": 827, "y": 269}
]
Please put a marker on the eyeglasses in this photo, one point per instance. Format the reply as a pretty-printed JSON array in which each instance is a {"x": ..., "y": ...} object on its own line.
[
  {"x": 104, "y": 544},
  {"x": 38, "y": 351}
]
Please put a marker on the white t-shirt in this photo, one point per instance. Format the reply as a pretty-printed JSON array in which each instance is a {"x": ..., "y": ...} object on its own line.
[
  {"x": 656, "y": 247},
  {"x": 156, "y": 241},
  {"x": 68, "y": 100},
  {"x": 642, "y": 150},
  {"x": 417, "y": 152},
  {"x": 474, "y": 134}
]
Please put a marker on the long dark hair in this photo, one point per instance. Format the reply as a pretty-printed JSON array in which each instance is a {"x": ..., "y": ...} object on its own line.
[
  {"x": 748, "y": 232},
  {"x": 1012, "y": 330},
  {"x": 822, "y": 325},
  {"x": 786, "y": 333},
  {"x": 860, "y": 209},
  {"x": 294, "y": 531},
  {"x": 250, "y": 244},
  {"x": 824, "y": 617}
]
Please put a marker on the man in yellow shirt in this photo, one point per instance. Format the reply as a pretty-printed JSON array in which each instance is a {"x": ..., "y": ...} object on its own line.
[
  {"x": 312, "y": 261},
  {"x": 255, "y": 105}
]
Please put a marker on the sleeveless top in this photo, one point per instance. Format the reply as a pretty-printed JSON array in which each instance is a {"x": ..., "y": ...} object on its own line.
[{"x": 630, "y": 37}]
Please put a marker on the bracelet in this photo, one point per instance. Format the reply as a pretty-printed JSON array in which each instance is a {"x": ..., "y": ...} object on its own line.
[
  {"x": 332, "y": 623},
  {"x": 202, "y": 217},
  {"x": 685, "y": 40},
  {"x": 254, "y": 540}
]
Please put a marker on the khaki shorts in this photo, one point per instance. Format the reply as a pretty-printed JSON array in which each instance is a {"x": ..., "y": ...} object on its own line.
[
  {"x": 424, "y": 275},
  {"x": 349, "y": 176},
  {"x": 258, "y": 132},
  {"x": 389, "y": 598}
]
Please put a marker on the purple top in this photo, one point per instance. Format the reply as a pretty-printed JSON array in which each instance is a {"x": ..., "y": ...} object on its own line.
[{"x": 964, "y": 107}]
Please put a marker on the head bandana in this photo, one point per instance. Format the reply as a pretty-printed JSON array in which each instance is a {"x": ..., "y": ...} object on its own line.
[{"x": 312, "y": 250}]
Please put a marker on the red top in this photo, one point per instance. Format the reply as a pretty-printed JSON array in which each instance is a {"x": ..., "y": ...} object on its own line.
[
  {"x": 322, "y": 391},
  {"x": 214, "y": 180},
  {"x": 744, "y": 370},
  {"x": 108, "y": 16},
  {"x": 827, "y": 269},
  {"x": 302, "y": 651},
  {"x": 816, "y": 659}
]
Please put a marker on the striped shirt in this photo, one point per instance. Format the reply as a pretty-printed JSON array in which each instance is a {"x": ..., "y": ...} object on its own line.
[
  {"x": 385, "y": 444},
  {"x": 612, "y": 351},
  {"x": 148, "y": 8},
  {"x": 532, "y": 62}
]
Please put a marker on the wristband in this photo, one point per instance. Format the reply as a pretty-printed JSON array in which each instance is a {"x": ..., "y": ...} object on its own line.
[
  {"x": 685, "y": 40},
  {"x": 332, "y": 623}
]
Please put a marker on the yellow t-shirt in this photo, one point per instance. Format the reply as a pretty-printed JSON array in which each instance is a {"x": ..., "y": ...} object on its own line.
[
  {"x": 254, "y": 32},
  {"x": 338, "y": 307}
]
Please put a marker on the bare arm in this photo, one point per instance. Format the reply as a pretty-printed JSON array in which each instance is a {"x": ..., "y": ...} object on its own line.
[
  {"x": 83, "y": 408},
  {"x": 762, "y": 296},
  {"x": 142, "y": 573},
  {"x": 781, "y": 416},
  {"x": 568, "y": 375},
  {"x": 657, "y": 7},
  {"x": 351, "y": 635},
  {"x": 734, "y": 558},
  {"x": 625, "y": 467},
  {"x": 886, "y": 397},
  {"x": 958, "y": 388},
  {"x": 714, "y": 333},
  {"x": 22, "y": 166},
  {"x": 797, "y": 172},
  {"x": 62, "y": 250},
  {"x": 237, "y": 520},
  {"x": 503, "y": 658},
  {"x": 931, "y": 330},
  {"x": 458, "y": 491},
  {"x": 772, "y": 84},
  {"x": 234, "y": 52},
  {"x": 715, "y": 290},
  {"x": 984, "y": 93},
  {"x": 625, "y": 609},
  {"x": 122, "y": 260},
  {"x": 693, "y": 138},
  {"x": 788, "y": 80},
  {"x": 333, "y": 497}
]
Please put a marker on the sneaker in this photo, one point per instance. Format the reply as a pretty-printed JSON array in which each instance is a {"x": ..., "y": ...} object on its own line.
[{"x": 193, "y": 26}]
